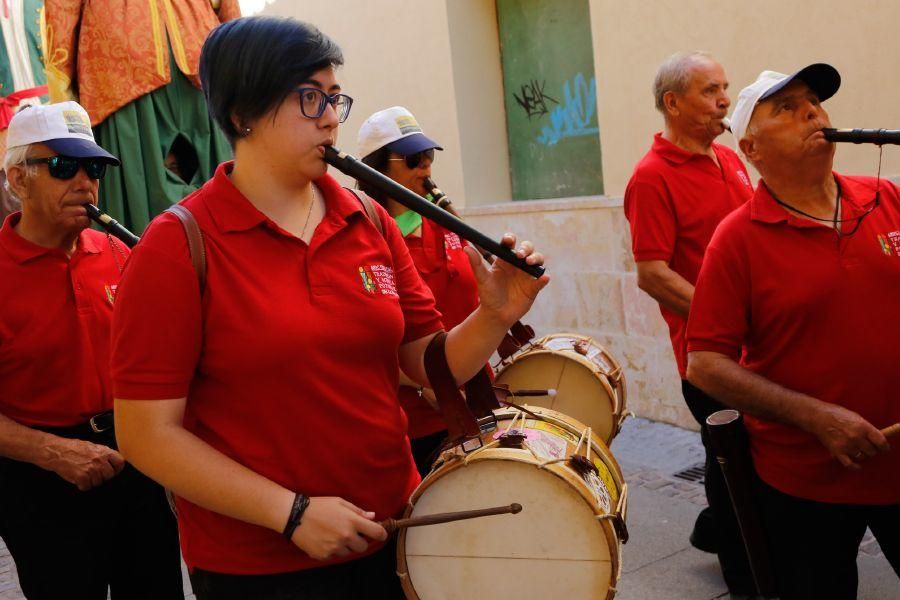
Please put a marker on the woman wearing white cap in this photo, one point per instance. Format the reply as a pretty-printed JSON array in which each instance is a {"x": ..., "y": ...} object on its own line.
[
  {"x": 266, "y": 399},
  {"x": 392, "y": 142}
]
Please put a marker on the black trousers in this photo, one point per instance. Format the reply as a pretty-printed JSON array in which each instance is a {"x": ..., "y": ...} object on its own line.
[
  {"x": 424, "y": 450},
  {"x": 74, "y": 545},
  {"x": 731, "y": 552},
  {"x": 814, "y": 545},
  {"x": 371, "y": 578}
]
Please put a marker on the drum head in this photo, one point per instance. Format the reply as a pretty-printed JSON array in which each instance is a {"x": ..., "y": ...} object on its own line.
[
  {"x": 555, "y": 548},
  {"x": 580, "y": 391}
]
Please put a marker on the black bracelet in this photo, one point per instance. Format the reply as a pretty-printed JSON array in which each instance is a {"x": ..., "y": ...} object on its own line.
[{"x": 297, "y": 510}]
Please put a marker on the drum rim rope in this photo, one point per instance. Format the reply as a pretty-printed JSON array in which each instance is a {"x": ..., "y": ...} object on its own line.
[
  {"x": 612, "y": 381},
  {"x": 612, "y": 522}
]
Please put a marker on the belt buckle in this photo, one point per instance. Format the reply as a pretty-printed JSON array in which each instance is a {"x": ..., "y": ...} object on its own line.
[{"x": 99, "y": 428}]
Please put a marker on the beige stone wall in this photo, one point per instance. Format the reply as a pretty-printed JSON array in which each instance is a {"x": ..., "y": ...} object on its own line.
[
  {"x": 441, "y": 59},
  {"x": 632, "y": 38},
  {"x": 593, "y": 292},
  {"x": 438, "y": 59}
]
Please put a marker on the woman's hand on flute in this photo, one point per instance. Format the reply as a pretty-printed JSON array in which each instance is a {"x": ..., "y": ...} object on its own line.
[
  {"x": 332, "y": 527},
  {"x": 507, "y": 293}
]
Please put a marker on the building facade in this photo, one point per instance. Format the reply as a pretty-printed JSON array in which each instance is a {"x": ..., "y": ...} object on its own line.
[{"x": 544, "y": 106}]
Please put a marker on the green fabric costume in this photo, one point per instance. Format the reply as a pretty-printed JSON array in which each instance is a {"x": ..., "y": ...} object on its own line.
[
  {"x": 170, "y": 121},
  {"x": 32, "y": 24}
]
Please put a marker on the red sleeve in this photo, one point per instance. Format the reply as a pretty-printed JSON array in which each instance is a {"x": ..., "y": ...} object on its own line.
[
  {"x": 651, "y": 214},
  {"x": 156, "y": 330},
  {"x": 419, "y": 312},
  {"x": 720, "y": 310}
]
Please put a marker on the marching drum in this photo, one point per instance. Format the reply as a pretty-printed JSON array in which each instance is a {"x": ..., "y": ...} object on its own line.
[
  {"x": 566, "y": 541},
  {"x": 588, "y": 382}
]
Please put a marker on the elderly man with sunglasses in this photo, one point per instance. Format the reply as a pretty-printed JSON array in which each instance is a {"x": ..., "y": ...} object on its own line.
[
  {"x": 76, "y": 518},
  {"x": 795, "y": 323}
]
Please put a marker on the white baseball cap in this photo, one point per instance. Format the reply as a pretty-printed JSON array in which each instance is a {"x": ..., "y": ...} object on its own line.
[
  {"x": 64, "y": 126},
  {"x": 822, "y": 78},
  {"x": 396, "y": 128}
]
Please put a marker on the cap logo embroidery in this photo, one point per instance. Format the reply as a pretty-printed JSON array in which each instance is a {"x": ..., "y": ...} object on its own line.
[
  {"x": 407, "y": 124},
  {"x": 378, "y": 278},
  {"x": 76, "y": 122}
]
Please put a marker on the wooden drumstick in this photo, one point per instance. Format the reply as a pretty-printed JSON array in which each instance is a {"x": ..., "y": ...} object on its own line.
[
  {"x": 392, "y": 525},
  {"x": 892, "y": 430}
]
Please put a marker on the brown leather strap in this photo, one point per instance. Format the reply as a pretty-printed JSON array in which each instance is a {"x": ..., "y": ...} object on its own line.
[
  {"x": 519, "y": 335},
  {"x": 508, "y": 346},
  {"x": 369, "y": 208},
  {"x": 456, "y": 414},
  {"x": 194, "y": 239},
  {"x": 480, "y": 394},
  {"x": 522, "y": 332}
]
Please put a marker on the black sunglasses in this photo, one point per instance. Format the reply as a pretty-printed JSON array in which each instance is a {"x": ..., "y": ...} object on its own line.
[
  {"x": 414, "y": 160},
  {"x": 313, "y": 102},
  {"x": 65, "y": 167}
]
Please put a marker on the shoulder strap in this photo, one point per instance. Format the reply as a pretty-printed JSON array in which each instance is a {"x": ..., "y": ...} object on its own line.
[
  {"x": 369, "y": 208},
  {"x": 194, "y": 239},
  {"x": 461, "y": 423}
]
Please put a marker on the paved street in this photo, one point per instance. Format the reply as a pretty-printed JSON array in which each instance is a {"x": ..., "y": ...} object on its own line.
[{"x": 658, "y": 561}]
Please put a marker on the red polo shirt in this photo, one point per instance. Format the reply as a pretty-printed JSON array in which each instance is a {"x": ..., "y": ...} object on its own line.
[
  {"x": 443, "y": 265},
  {"x": 674, "y": 201},
  {"x": 289, "y": 359},
  {"x": 816, "y": 314},
  {"x": 55, "y": 315}
]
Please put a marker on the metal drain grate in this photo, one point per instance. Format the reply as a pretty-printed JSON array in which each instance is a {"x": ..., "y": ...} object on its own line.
[{"x": 693, "y": 474}]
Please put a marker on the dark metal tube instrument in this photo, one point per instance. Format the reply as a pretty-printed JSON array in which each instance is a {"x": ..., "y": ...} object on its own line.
[
  {"x": 392, "y": 525},
  {"x": 355, "y": 168},
  {"x": 112, "y": 226},
  {"x": 879, "y": 137},
  {"x": 440, "y": 198},
  {"x": 730, "y": 443}
]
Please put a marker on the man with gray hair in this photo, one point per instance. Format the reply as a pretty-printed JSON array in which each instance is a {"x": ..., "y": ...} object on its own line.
[
  {"x": 679, "y": 192},
  {"x": 78, "y": 521},
  {"x": 8, "y": 203},
  {"x": 795, "y": 324}
]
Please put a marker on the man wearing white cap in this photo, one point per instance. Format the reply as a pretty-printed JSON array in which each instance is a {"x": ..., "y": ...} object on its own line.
[
  {"x": 679, "y": 191},
  {"x": 795, "y": 323},
  {"x": 78, "y": 521},
  {"x": 392, "y": 142}
]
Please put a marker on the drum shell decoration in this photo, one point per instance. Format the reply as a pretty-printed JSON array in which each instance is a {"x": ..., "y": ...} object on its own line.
[
  {"x": 587, "y": 379},
  {"x": 566, "y": 542}
]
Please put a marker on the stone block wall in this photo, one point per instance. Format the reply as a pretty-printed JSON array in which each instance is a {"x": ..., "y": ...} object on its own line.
[{"x": 593, "y": 291}]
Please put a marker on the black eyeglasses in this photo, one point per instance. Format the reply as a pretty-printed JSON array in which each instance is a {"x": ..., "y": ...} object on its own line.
[
  {"x": 414, "y": 160},
  {"x": 313, "y": 102},
  {"x": 65, "y": 167}
]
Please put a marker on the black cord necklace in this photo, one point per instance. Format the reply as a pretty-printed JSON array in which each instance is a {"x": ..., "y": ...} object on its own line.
[{"x": 833, "y": 220}]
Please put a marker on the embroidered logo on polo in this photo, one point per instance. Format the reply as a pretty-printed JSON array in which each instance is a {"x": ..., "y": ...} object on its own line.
[
  {"x": 744, "y": 179},
  {"x": 890, "y": 243},
  {"x": 378, "y": 279},
  {"x": 111, "y": 293},
  {"x": 452, "y": 241}
]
